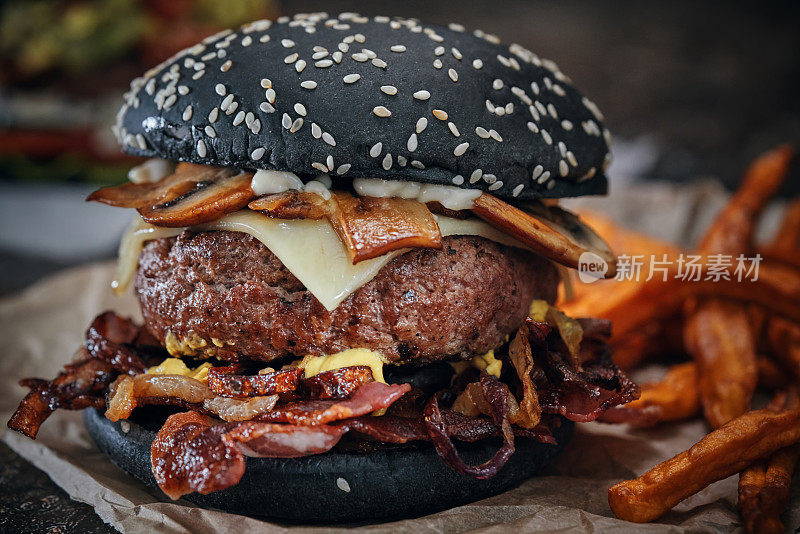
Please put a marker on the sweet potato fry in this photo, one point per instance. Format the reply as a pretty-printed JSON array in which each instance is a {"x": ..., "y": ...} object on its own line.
[
  {"x": 783, "y": 341},
  {"x": 788, "y": 236},
  {"x": 724, "y": 452},
  {"x": 674, "y": 397},
  {"x": 771, "y": 375},
  {"x": 764, "y": 487}
]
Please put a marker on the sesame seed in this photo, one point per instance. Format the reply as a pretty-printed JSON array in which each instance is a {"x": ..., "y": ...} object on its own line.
[
  {"x": 328, "y": 138},
  {"x": 562, "y": 148},
  {"x": 287, "y": 43},
  {"x": 552, "y": 110},
  {"x": 256, "y": 127},
  {"x": 422, "y": 95},
  {"x": 398, "y": 48},
  {"x": 379, "y": 63},
  {"x": 225, "y": 67},
  {"x": 489, "y": 106},
  {"x": 210, "y": 131},
  {"x": 557, "y": 89},
  {"x": 220, "y": 89},
  {"x": 343, "y": 47},
  {"x": 546, "y": 137},
  {"x": 417, "y": 163},
  {"x": 439, "y": 51},
  {"x": 535, "y": 88},
  {"x": 300, "y": 65},
  {"x": 489, "y": 178},
  {"x": 343, "y": 168},
  {"x": 458, "y": 179},
  {"x": 453, "y": 129},
  {"x": 183, "y": 90},
  {"x": 264, "y": 38},
  {"x": 337, "y": 56},
  {"x": 291, "y": 58},
  {"x": 402, "y": 161},
  {"x": 567, "y": 125},
  {"x": 322, "y": 63},
  {"x": 300, "y": 109},
  {"x": 497, "y": 84},
  {"x": 563, "y": 169},
  {"x": 258, "y": 153},
  {"x": 187, "y": 113},
  {"x": 170, "y": 101},
  {"x": 316, "y": 131},
  {"x": 266, "y": 83},
  {"x": 477, "y": 63},
  {"x": 286, "y": 121},
  {"x": 544, "y": 177},
  {"x": 239, "y": 118},
  {"x": 572, "y": 159},
  {"x": 227, "y": 101},
  {"x": 381, "y": 111},
  {"x": 249, "y": 119},
  {"x": 499, "y": 111},
  {"x": 481, "y": 131},
  {"x": 375, "y": 151},
  {"x": 456, "y": 53},
  {"x": 537, "y": 171},
  {"x": 297, "y": 124},
  {"x": 201, "y": 148},
  {"x": 319, "y": 55},
  {"x": 475, "y": 176},
  {"x": 212, "y": 116},
  {"x": 308, "y": 84},
  {"x": 510, "y": 108},
  {"x": 351, "y": 78},
  {"x": 460, "y": 149},
  {"x": 551, "y": 184},
  {"x": 412, "y": 143},
  {"x": 361, "y": 58},
  {"x": 266, "y": 107},
  {"x": 329, "y": 162},
  {"x": 440, "y": 114},
  {"x": 540, "y": 107},
  {"x": 360, "y": 37},
  {"x": 495, "y": 186},
  {"x": 437, "y": 63},
  {"x": 387, "y": 162},
  {"x": 247, "y": 40},
  {"x": 270, "y": 94},
  {"x": 588, "y": 175},
  {"x": 496, "y": 136},
  {"x": 231, "y": 108},
  {"x": 389, "y": 89},
  {"x": 422, "y": 123},
  {"x": 319, "y": 166},
  {"x": 453, "y": 74}
]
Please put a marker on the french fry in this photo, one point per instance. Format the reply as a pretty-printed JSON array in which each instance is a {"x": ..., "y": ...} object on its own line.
[
  {"x": 788, "y": 236},
  {"x": 724, "y": 452},
  {"x": 674, "y": 397},
  {"x": 764, "y": 487},
  {"x": 783, "y": 340}
]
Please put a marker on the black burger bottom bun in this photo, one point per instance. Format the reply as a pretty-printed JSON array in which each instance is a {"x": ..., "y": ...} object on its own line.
[{"x": 337, "y": 487}]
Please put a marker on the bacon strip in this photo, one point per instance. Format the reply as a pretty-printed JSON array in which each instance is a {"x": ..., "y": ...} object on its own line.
[
  {"x": 337, "y": 384},
  {"x": 109, "y": 338},
  {"x": 227, "y": 382}
]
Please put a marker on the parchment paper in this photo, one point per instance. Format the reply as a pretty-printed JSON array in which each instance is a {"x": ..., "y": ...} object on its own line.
[{"x": 41, "y": 326}]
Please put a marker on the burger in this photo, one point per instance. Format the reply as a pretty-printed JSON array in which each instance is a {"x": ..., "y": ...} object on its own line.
[{"x": 346, "y": 247}]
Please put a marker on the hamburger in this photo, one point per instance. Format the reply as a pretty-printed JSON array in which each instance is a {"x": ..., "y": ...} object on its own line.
[{"x": 346, "y": 248}]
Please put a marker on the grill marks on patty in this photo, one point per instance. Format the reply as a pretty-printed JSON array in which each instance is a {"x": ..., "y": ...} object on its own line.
[{"x": 227, "y": 288}]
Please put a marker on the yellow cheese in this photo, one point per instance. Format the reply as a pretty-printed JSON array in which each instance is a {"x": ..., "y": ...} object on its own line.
[
  {"x": 487, "y": 363},
  {"x": 175, "y": 366},
  {"x": 314, "y": 365},
  {"x": 310, "y": 249}
]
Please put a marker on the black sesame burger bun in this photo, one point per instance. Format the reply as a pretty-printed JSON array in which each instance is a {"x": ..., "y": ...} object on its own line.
[{"x": 371, "y": 97}]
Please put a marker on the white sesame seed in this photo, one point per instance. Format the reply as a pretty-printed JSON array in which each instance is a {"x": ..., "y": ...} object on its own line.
[
  {"x": 453, "y": 129},
  {"x": 440, "y": 114},
  {"x": 226, "y": 102},
  {"x": 439, "y": 50},
  {"x": 343, "y": 47},
  {"x": 537, "y": 171},
  {"x": 456, "y": 53},
  {"x": 247, "y": 40},
  {"x": 387, "y": 162},
  {"x": 453, "y": 74},
  {"x": 319, "y": 55},
  {"x": 402, "y": 161},
  {"x": 475, "y": 176},
  {"x": 481, "y": 131},
  {"x": 199, "y": 74},
  {"x": 379, "y": 63},
  {"x": 270, "y": 94},
  {"x": 212, "y": 116},
  {"x": 220, "y": 89},
  {"x": 417, "y": 163},
  {"x": 563, "y": 168},
  {"x": 264, "y": 38},
  {"x": 381, "y": 111},
  {"x": 562, "y": 148},
  {"x": 489, "y": 106},
  {"x": 249, "y": 119},
  {"x": 328, "y": 138},
  {"x": 567, "y": 125},
  {"x": 287, "y": 43},
  {"x": 551, "y": 184},
  {"x": 544, "y": 177},
  {"x": 320, "y": 167},
  {"x": 258, "y": 153},
  {"x": 460, "y": 149},
  {"x": 316, "y": 131},
  {"x": 572, "y": 159},
  {"x": 337, "y": 56},
  {"x": 183, "y": 90},
  {"x": 389, "y": 89},
  {"x": 210, "y": 131},
  {"x": 308, "y": 84},
  {"x": 412, "y": 143},
  {"x": 552, "y": 110},
  {"x": 343, "y": 169},
  {"x": 231, "y": 108},
  {"x": 187, "y": 113},
  {"x": 239, "y": 118},
  {"x": 266, "y": 83},
  {"x": 497, "y": 84},
  {"x": 437, "y": 63},
  {"x": 266, "y": 107},
  {"x": 557, "y": 89},
  {"x": 329, "y": 162},
  {"x": 477, "y": 63},
  {"x": 489, "y": 178},
  {"x": 300, "y": 109},
  {"x": 360, "y": 37},
  {"x": 422, "y": 123},
  {"x": 361, "y": 58},
  {"x": 422, "y": 95},
  {"x": 201, "y": 148},
  {"x": 546, "y": 137},
  {"x": 170, "y": 101},
  {"x": 499, "y": 111},
  {"x": 318, "y": 48},
  {"x": 225, "y": 67},
  {"x": 286, "y": 121},
  {"x": 351, "y": 78},
  {"x": 495, "y": 186},
  {"x": 256, "y": 127},
  {"x": 291, "y": 58},
  {"x": 300, "y": 65},
  {"x": 297, "y": 124},
  {"x": 349, "y": 39},
  {"x": 496, "y": 136},
  {"x": 398, "y": 48},
  {"x": 588, "y": 175},
  {"x": 322, "y": 63},
  {"x": 458, "y": 179},
  {"x": 375, "y": 151}
]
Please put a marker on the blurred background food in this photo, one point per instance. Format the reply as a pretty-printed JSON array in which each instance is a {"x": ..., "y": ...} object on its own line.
[{"x": 690, "y": 90}]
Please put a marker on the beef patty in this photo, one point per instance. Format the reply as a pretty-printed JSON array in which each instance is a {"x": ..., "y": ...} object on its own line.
[{"x": 225, "y": 294}]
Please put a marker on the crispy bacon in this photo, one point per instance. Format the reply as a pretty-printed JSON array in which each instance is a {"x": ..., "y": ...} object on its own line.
[
  {"x": 110, "y": 338},
  {"x": 367, "y": 398},
  {"x": 227, "y": 382},
  {"x": 337, "y": 384}
]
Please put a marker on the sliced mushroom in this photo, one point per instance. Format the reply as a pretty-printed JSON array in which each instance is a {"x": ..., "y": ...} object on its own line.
[
  {"x": 132, "y": 195},
  {"x": 548, "y": 230},
  {"x": 292, "y": 205}
]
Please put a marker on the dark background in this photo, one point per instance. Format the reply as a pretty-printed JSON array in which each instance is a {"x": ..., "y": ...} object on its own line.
[{"x": 710, "y": 84}]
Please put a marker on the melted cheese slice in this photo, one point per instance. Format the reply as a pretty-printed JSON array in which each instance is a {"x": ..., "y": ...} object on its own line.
[
  {"x": 175, "y": 366},
  {"x": 314, "y": 365},
  {"x": 310, "y": 249}
]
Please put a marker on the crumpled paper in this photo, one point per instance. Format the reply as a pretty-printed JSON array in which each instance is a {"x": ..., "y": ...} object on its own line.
[{"x": 41, "y": 326}]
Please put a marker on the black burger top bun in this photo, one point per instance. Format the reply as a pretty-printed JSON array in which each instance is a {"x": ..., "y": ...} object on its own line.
[{"x": 353, "y": 96}]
